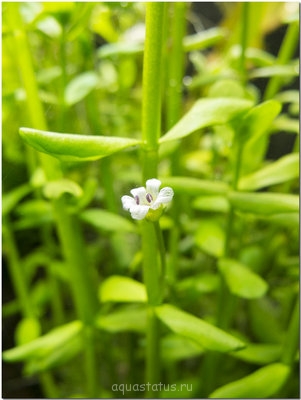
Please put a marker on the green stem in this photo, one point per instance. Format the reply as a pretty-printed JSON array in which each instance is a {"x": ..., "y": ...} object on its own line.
[
  {"x": 244, "y": 38},
  {"x": 173, "y": 114},
  {"x": 68, "y": 227},
  {"x": 151, "y": 129},
  {"x": 16, "y": 271},
  {"x": 161, "y": 247},
  {"x": 286, "y": 52}
]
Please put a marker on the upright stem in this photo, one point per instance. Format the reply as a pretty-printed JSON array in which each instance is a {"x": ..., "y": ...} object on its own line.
[
  {"x": 286, "y": 52},
  {"x": 68, "y": 228},
  {"x": 175, "y": 67},
  {"x": 151, "y": 128},
  {"x": 244, "y": 38}
]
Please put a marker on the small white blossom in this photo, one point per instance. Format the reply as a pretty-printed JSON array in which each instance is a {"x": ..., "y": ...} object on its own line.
[{"x": 148, "y": 202}]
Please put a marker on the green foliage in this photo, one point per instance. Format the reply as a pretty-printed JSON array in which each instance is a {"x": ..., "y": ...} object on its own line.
[{"x": 100, "y": 298}]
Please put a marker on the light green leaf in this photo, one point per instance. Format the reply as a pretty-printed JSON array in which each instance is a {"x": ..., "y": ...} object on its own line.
[
  {"x": 264, "y": 203},
  {"x": 260, "y": 353},
  {"x": 286, "y": 71},
  {"x": 191, "y": 327},
  {"x": 55, "y": 189},
  {"x": 80, "y": 87},
  {"x": 107, "y": 221},
  {"x": 258, "y": 120},
  {"x": 262, "y": 384},
  {"x": 203, "y": 283},
  {"x": 207, "y": 112},
  {"x": 195, "y": 187},
  {"x": 175, "y": 348},
  {"x": 210, "y": 237},
  {"x": 27, "y": 330},
  {"x": 72, "y": 147},
  {"x": 11, "y": 199},
  {"x": 58, "y": 356},
  {"x": 122, "y": 289},
  {"x": 120, "y": 49},
  {"x": 204, "y": 39},
  {"x": 241, "y": 280},
  {"x": 254, "y": 131},
  {"x": 211, "y": 203},
  {"x": 284, "y": 169},
  {"x": 125, "y": 319},
  {"x": 44, "y": 344}
]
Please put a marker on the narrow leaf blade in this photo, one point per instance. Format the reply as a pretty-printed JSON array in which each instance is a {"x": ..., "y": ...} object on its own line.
[
  {"x": 73, "y": 148},
  {"x": 259, "y": 385},
  {"x": 207, "y": 112},
  {"x": 191, "y": 327}
]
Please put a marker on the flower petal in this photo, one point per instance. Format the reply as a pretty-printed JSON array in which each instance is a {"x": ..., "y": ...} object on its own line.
[
  {"x": 152, "y": 187},
  {"x": 165, "y": 196},
  {"x": 128, "y": 202},
  {"x": 141, "y": 193},
  {"x": 139, "y": 212}
]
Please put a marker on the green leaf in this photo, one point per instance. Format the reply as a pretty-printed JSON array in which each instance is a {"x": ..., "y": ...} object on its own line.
[
  {"x": 210, "y": 237},
  {"x": 44, "y": 344},
  {"x": 285, "y": 71},
  {"x": 264, "y": 203},
  {"x": 58, "y": 356},
  {"x": 259, "y": 353},
  {"x": 195, "y": 187},
  {"x": 107, "y": 221},
  {"x": 125, "y": 319},
  {"x": 203, "y": 283},
  {"x": 203, "y": 39},
  {"x": 286, "y": 168},
  {"x": 191, "y": 327},
  {"x": 122, "y": 289},
  {"x": 11, "y": 199},
  {"x": 255, "y": 128},
  {"x": 207, "y": 112},
  {"x": 73, "y": 148},
  {"x": 79, "y": 87},
  {"x": 175, "y": 348},
  {"x": 55, "y": 189},
  {"x": 211, "y": 203},
  {"x": 27, "y": 330},
  {"x": 241, "y": 280},
  {"x": 258, "y": 120},
  {"x": 112, "y": 50},
  {"x": 263, "y": 383}
]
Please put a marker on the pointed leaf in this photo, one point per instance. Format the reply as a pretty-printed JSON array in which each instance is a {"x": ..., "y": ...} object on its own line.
[
  {"x": 207, "y": 112},
  {"x": 258, "y": 120},
  {"x": 241, "y": 280},
  {"x": 107, "y": 221},
  {"x": 44, "y": 344},
  {"x": 191, "y": 327},
  {"x": 79, "y": 87},
  {"x": 122, "y": 289},
  {"x": 259, "y": 353},
  {"x": 264, "y": 203},
  {"x": 195, "y": 187},
  {"x": 261, "y": 384},
  {"x": 126, "y": 319},
  {"x": 71, "y": 147},
  {"x": 284, "y": 169}
]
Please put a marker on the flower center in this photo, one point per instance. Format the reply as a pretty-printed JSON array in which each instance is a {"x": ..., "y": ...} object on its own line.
[
  {"x": 149, "y": 197},
  {"x": 137, "y": 200}
]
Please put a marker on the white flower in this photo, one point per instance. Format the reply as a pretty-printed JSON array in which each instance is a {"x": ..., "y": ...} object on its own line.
[{"x": 148, "y": 202}]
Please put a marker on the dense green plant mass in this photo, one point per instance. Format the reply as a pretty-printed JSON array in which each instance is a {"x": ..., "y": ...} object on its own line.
[{"x": 198, "y": 296}]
